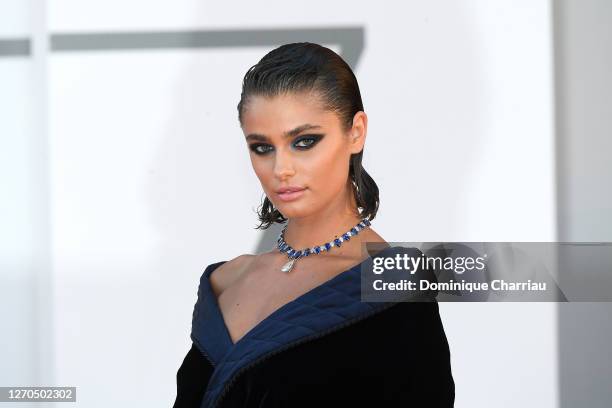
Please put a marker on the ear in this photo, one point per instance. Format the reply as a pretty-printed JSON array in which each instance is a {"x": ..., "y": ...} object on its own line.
[{"x": 357, "y": 134}]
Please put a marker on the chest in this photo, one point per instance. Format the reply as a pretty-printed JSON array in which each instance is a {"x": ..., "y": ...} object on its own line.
[{"x": 263, "y": 288}]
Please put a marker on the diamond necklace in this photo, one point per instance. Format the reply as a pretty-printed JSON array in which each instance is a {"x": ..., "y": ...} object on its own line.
[{"x": 294, "y": 255}]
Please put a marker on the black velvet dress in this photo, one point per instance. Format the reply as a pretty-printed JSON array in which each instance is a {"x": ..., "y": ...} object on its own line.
[{"x": 325, "y": 348}]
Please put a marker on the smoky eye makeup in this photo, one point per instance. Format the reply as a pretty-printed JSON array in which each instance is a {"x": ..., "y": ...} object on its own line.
[
  {"x": 307, "y": 141},
  {"x": 260, "y": 148},
  {"x": 304, "y": 142}
]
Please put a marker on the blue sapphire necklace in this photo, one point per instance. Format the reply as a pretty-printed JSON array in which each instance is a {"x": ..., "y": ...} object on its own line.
[{"x": 294, "y": 255}]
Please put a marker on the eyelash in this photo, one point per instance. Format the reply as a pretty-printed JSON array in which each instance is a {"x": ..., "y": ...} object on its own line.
[{"x": 314, "y": 138}]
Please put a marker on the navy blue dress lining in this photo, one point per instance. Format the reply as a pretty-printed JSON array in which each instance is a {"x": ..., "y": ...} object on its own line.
[
  {"x": 217, "y": 316},
  {"x": 329, "y": 304}
]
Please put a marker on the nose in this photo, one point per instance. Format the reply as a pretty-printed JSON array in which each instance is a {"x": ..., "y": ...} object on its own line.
[{"x": 283, "y": 164}]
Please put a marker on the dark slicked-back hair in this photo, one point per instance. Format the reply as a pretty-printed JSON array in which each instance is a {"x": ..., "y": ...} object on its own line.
[{"x": 307, "y": 67}]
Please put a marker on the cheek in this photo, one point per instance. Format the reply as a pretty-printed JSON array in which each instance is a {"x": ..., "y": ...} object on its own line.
[
  {"x": 264, "y": 171},
  {"x": 328, "y": 171}
]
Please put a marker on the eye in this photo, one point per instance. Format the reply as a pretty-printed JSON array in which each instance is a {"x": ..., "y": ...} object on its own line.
[
  {"x": 308, "y": 141},
  {"x": 259, "y": 148}
]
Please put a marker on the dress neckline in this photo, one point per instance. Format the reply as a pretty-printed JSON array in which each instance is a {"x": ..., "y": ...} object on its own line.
[{"x": 311, "y": 292}]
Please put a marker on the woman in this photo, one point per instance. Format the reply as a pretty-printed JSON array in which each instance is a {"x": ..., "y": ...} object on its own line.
[{"x": 287, "y": 327}]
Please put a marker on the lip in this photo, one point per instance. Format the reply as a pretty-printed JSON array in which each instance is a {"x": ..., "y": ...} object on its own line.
[{"x": 290, "y": 193}]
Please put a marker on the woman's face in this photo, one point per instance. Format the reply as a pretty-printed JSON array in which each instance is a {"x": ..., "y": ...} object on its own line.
[{"x": 294, "y": 143}]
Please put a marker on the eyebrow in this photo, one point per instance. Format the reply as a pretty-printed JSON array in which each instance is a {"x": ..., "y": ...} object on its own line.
[{"x": 290, "y": 133}]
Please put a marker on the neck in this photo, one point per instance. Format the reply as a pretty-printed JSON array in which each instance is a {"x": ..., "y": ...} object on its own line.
[{"x": 316, "y": 229}]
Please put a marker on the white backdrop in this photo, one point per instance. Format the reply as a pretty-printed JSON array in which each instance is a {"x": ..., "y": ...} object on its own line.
[{"x": 144, "y": 179}]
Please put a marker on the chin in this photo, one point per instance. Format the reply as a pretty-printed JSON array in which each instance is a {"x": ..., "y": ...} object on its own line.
[{"x": 293, "y": 210}]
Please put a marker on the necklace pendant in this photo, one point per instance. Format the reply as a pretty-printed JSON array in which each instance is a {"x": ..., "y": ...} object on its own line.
[{"x": 288, "y": 266}]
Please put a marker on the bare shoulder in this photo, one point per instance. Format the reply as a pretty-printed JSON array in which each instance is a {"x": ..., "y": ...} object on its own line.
[{"x": 228, "y": 272}]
